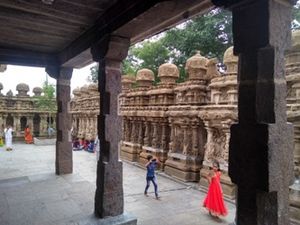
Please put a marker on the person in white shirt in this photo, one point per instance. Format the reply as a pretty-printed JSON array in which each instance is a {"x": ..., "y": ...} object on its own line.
[{"x": 8, "y": 137}]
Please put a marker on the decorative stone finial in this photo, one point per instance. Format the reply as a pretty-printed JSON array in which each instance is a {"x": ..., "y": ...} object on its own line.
[
  {"x": 196, "y": 67},
  {"x": 127, "y": 81},
  {"x": 9, "y": 93},
  {"x": 2, "y": 68},
  {"x": 145, "y": 78},
  {"x": 212, "y": 70},
  {"x": 76, "y": 92},
  {"x": 84, "y": 91},
  {"x": 37, "y": 91},
  {"x": 231, "y": 62},
  {"x": 168, "y": 73},
  {"x": 22, "y": 89}
]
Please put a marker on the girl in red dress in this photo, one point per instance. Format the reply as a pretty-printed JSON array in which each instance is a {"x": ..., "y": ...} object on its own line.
[{"x": 214, "y": 201}]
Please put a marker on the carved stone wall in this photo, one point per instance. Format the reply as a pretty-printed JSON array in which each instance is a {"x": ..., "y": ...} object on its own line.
[
  {"x": 84, "y": 108},
  {"x": 293, "y": 115},
  {"x": 21, "y": 109},
  {"x": 185, "y": 125}
]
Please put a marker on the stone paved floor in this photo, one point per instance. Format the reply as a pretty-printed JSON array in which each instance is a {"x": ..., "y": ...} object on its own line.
[{"x": 31, "y": 194}]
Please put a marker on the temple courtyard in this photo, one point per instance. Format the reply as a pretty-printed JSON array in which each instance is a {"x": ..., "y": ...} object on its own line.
[{"x": 31, "y": 193}]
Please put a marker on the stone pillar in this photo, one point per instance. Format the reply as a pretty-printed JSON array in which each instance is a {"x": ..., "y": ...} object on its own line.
[
  {"x": 261, "y": 144},
  {"x": 147, "y": 133},
  {"x": 141, "y": 134},
  {"x": 64, "y": 161},
  {"x": 109, "y": 199}
]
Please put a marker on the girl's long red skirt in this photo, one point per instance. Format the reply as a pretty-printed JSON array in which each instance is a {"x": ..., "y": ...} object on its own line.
[{"x": 214, "y": 201}]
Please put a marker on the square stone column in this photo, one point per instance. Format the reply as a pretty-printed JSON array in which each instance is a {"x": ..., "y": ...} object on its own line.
[
  {"x": 109, "y": 53},
  {"x": 64, "y": 157},
  {"x": 261, "y": 144}
]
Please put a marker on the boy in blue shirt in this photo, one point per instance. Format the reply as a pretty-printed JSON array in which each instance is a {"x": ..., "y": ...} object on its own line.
[{"x": 151, "y": 166}]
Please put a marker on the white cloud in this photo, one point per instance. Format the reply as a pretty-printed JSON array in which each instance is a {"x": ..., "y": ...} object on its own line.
[{"x": 36, "y": 76}]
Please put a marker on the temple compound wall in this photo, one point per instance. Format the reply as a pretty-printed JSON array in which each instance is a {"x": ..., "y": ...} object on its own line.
[
  {"x": 84, "y": 108},
  {"x": 187, "y": 125},
  {"x": 22, "y": 109}
]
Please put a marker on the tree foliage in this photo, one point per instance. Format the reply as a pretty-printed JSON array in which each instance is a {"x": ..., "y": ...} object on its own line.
[
  {"x": 210, "y": 33},
  {"x": 47, "y": 101}
]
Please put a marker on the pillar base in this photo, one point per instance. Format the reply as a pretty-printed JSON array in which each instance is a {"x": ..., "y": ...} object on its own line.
[
  {"x": 229, "y": 189},
  {"x": 182, "y": 167},
  {"x": 123, "y": 219},
  {"x": 130, "y": 151}
]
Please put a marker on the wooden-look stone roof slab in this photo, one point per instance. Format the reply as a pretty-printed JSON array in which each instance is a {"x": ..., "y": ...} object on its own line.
[{"x": 61, "y": 32}]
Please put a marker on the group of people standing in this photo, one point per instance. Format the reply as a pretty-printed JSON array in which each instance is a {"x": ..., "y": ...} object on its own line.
[
  {"x": 6, "y": 136},
  {"x": 213, "y": 202}
]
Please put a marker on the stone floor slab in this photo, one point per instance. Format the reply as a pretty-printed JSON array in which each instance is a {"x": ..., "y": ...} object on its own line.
[{"x": 31, "y": 194}]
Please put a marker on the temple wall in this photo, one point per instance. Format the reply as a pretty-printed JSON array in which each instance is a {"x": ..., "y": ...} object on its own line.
[
  {"x": 84, "y": 108},
  {"x": 21, "y": 109},
  {"x": 187, "y": 125}
]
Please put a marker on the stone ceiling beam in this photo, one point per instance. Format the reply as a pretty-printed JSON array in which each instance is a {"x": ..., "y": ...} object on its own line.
[
  {"x": 26, "y": 58},
  {"x": 115, "y": 17}
]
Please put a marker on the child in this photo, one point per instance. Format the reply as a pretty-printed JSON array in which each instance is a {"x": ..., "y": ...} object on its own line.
[
  {"x": 151, "y": 166},
  {"x": 214, "y": 201}
]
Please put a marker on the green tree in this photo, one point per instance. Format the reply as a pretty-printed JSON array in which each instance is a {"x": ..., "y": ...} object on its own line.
[
  {"x": 93, "y": 77},
  {"x": 47, "y": 101},
  {"x": 150, "y": 55},
  {"x": 296, "y": 17}
]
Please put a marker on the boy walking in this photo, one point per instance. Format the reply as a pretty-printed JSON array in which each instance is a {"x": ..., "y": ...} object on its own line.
[{"x": 151, "y": 166}]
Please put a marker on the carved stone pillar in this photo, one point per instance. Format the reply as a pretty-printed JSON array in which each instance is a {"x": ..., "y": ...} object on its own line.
[
  {"x": 127, "y": 129},
  {"x": 64, "y": 160},
  {"x": 172, "y": 137},
  {"x": 260, "y": 152},
  {"x": 133, "y": 131},
  {"x": 195, "y": 138},
  {"x": 147, "y": 133},
  {"x": 185, "y": 139},
  {"x": 109, "y": 199},
  {"x": 154, "y": 134},
  {"x": 141, "y": 134}
]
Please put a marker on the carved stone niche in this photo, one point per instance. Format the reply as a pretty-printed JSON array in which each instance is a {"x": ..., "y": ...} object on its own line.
[
  {"x": 186, "y": 147},
  {"x": 217, "y": 124},
  {"x": 293, "y": 116},
  {"x": 132, "y": 109},
  {"x": 156, "y": 140},
  {"x": 131, "y": 145},
  {"x": 224, "y": 88}
]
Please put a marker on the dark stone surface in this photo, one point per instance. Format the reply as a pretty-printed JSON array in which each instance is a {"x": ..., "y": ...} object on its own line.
[
  {"x": 261, "y": 145},
  {"x": 109, "y": 199},
  {"x": 64, "y": 159}
]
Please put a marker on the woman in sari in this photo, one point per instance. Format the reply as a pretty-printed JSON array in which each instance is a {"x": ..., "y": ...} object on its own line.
[{"x": 27, "y": 135}]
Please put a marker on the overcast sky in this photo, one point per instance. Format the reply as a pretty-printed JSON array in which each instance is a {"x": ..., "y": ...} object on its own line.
[{"x": 36, "y": 76}]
